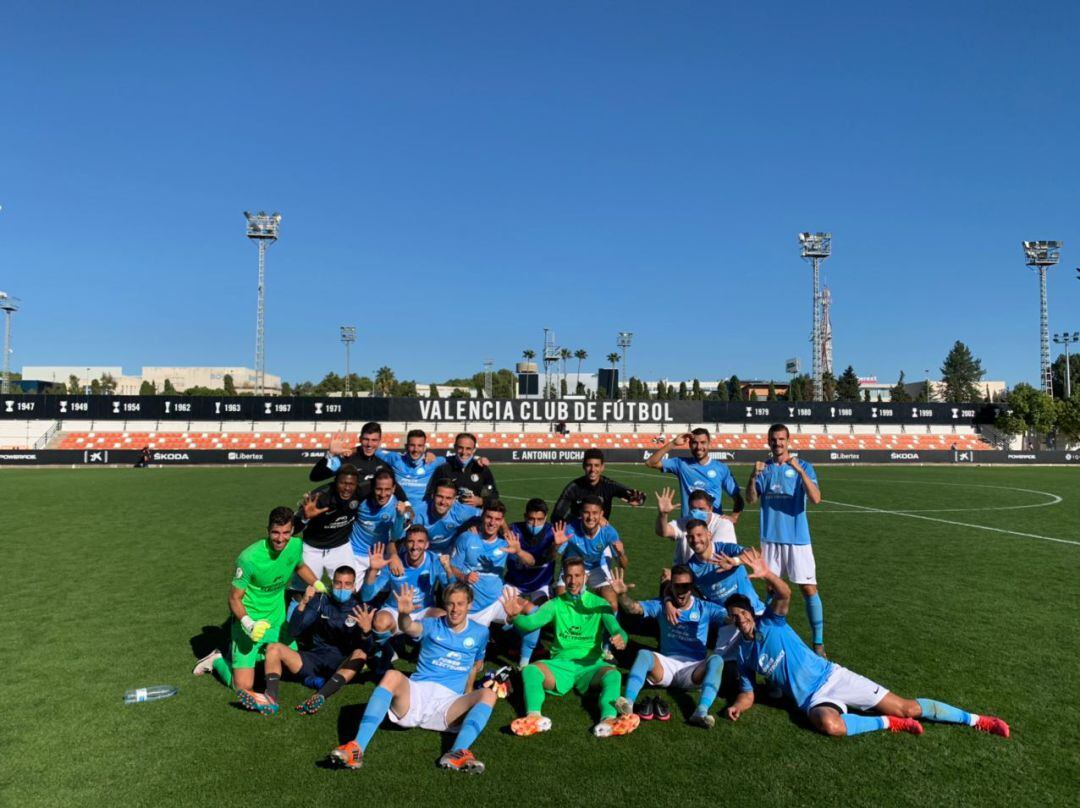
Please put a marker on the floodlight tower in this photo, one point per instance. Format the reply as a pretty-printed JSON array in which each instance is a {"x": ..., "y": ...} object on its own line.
[
  {"x": 1066, "y": 339},
  {"x": 262, "y": 228},
  {"x": 551, "y": 356},
  {"x": 1040, "y": 256},
  {"x": 826, "y": 331},
  {"x": 488, "y": 387},
  {"x": 348, "y": 337},
  {"x": 624, "y": 345},
  {"x": 816, "y": 247},
  {"x": 9, "y": 305}
]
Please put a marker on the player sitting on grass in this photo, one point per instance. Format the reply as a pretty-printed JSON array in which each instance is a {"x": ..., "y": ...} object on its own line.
[
  {"x": 534, "y": 583},
  {"x": 257, "y": 600},
  {"x": 683, "y": 660},
  {"x": 822, "y": 689},
  {"x": 423, "y": 572},
  {"x": 480, "y": 560},
  {"x": 580, "y": 619},
  {"x": 589, "y": 539},
  {"x": 339, "y": 633},
  {"x": 440, "y": 695}
]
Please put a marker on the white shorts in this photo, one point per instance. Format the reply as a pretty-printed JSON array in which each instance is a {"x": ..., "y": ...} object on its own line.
[
  {"x": 678, "y": 672},
  {"x": 792, "y": 561},
  {"x": 360, "y": 564},
  {"x": 428, "y": 705},
  {"x": 417, "y": 615},
  {"x": 535, "y": 594},
  {"x": 597, "y": 578},
  {"x": 844, "y": 689},
  {"x": 493, "y": 612},
  {"x": 324, "y": 562},
  {"x": 727, "y": 642}
]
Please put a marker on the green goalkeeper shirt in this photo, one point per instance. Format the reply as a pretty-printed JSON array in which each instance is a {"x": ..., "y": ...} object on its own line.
[
  {"x": 578, "y": 623},
  {"x": 263, "y": 575}
]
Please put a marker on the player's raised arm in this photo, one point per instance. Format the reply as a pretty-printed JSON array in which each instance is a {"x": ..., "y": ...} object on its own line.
[
  {"x": 809, "y": 479},
  {"x": 563, "y": 505},
  {"x": 404, "y": 597},
  {"x": 665, "y": 505},
  {"x": 752, "y": 493},
  {"x": 514, "y": 548},
  {"x": 620, "y": 587},
  {"x": 757, "y": 568},
  {"x": 656, "y": 459}
]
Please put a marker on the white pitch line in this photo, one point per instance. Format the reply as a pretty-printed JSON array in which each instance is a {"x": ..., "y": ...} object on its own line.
[{"x": 950, "y": 522}]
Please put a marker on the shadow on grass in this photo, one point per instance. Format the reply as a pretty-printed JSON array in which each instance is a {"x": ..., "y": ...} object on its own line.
[{"x": 210, "y": 638}]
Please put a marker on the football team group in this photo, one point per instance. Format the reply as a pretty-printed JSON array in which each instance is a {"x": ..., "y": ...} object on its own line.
[{"x": 408, "y": 553}]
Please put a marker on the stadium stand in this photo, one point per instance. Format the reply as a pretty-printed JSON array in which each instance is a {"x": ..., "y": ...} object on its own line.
[{"x": 275, "y": 435}]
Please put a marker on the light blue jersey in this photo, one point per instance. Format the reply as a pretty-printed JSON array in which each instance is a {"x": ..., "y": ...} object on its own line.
[
  {"x": 443, "y": 530},
  {"x": 375, "y": 525},
  {"x": 688, "y": 639},
  {"x": 783, "y": 503},
  {"x": 412, "y": 475},
  {"x": 423, "y": 578},
  {"x": 714, "y": 477},
  {"x": 488, "y": 560},
  {"x": 717, "y": 585},
  {"x": 591, "y": 549},
  {"x": 780, "y": 655},
  {"x": 447, "y": 656}
]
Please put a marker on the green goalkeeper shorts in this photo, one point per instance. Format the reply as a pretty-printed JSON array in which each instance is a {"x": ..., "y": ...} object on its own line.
[{"x": 573, "y": 674}]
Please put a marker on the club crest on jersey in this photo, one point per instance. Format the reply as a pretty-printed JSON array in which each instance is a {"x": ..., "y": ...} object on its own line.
[
  {"x": 789, "y": 472},
  {"x": 475, "y": 478},
  {"x": 469, "y": 642},
  {"x": 354, "y": 505},
  {"x": 711, "y": 473},
  {"x": 239, "y": 572}
]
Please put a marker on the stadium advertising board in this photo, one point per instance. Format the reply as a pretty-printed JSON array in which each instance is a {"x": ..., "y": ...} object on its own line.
[
  {"x": 305, "y": 457},
  {"x": 480, "y": 411}
]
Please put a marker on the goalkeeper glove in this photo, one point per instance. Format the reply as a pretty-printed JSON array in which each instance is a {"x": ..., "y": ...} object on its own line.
[
  {"x": 255, "y": 630},
  {"x": 320, "y": 587}
]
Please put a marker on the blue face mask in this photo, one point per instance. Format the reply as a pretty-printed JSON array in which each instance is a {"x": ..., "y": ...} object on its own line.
[
  {"x": 698, "y": 514},
  {"x": 342, "y": 595},
  {"x": 467, "y": 461},
  {"x": 536, "y": 530}
]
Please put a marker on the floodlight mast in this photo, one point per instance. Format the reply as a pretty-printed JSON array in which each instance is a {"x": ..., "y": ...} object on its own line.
[
  {"x": 623, "y": 342},
  {"x": 1040, "y": 256},
  {"x": 348, "y": 337},
  {"x": 9, "y": 305},
  {"x": 488, "y": 385},
  {"x": 1067, "y": 339},
  {"x": 262, "y": 228},
  {"x": 816, "y": 247}
]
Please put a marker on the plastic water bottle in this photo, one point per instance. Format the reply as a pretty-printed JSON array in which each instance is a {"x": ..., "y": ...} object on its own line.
[{"x": 153, "y": 693}]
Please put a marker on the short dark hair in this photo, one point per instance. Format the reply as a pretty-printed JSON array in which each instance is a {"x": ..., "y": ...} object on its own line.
[
  {"x": 778, "y": 428},
  {"x": 493, "y": 505},
  {"x": 738, "y": 602},
  {"x": 457, "y": 586},
  {"x": 536, "y": 504},
  {"x": 681, "y": 569},
  {"x": 415, "y": 433},
  {"x": 416, "y": 529},
  {"x": 701, "y": 431},
  {"x": 382, "y": 474},
  {"x": 281, "y": 515},
  {"x": 371, "y": 428},
  {"x": 701, "y": 493},
  {"x": 348, "y": 470},
  {"x": 468, "y": 435},
  {"x": 692, "y": 523},
  {"x": 573, "y": 561},
  {"x": 592, "y": 454},
  {"x": 446, "y": 482},
  {"x": 345, "y": 569},
  {"x": 592, "y": 499}
]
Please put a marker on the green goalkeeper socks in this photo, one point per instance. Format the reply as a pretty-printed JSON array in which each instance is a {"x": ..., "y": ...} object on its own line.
[{"x": 224, "y": 672}]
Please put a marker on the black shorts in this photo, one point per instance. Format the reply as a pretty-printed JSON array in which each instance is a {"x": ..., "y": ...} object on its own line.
[{"x": 320, "y": 663}]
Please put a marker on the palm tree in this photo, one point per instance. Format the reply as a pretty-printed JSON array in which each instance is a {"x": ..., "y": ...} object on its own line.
[
  {"x": 385, "y": 380},
  {"x": 580, "y": 355},
  {"x": 564, "y": 354},
  {"x": 613, "y": 358},
  {"x": 529, "y": 354}
]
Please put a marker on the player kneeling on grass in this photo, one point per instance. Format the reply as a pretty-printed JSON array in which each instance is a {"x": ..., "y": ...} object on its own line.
[
  {"x": 339, "y": 630},
  {"x": 257, "y": 601},
  {"x": 440, "y": 695},
  {"x": 823, "y": 689},
  {"x": 580, "y": 619},
  {"x": 590, "y": 538},
  {"x": 683, "y": 660}
]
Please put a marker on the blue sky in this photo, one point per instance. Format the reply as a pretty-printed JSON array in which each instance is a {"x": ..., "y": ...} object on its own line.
[{"x": 455, "y": 176}]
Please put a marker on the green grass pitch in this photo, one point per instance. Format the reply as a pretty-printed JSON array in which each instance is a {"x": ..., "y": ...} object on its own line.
[{"x": 936, "y": 582}]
